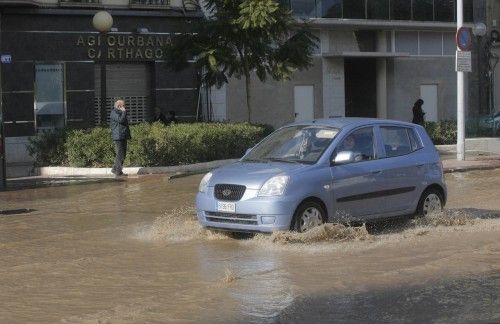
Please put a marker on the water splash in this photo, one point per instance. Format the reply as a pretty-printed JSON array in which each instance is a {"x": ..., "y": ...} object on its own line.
[{"x": 324, "y": 233}]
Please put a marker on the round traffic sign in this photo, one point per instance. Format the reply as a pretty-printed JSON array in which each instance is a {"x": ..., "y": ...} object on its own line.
[{"x": 464, "y": 38}]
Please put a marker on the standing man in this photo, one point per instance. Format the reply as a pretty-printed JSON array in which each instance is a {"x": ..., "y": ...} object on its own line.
[{"x": 120, "y": 133}]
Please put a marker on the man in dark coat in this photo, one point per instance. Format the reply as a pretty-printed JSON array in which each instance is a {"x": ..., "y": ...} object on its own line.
[
  {"x": 120, "y": 133},
  {"x": 418, "y": 112}
]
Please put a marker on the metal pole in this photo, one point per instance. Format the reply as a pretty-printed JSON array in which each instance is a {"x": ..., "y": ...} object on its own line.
[
  {"x": 3, "y": 169},
  {"x": 103, "y": 80},
  {"x": 460, "y": 95}
]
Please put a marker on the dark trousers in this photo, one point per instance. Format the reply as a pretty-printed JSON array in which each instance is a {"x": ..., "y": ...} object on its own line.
[{"x": 121, "y": 152}]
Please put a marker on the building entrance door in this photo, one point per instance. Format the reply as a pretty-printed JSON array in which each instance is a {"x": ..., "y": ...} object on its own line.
[
  {"x": 131, "y": 82},
  {"x": 428, "y": 93},
  {"x": 360, "y": 87},
  {"x": 303, "y": 100}
]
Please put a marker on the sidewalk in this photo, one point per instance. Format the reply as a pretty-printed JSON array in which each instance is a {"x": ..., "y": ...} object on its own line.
[
  {"x": 472, "y": 162},
  {"x": 65, "y": 175}
]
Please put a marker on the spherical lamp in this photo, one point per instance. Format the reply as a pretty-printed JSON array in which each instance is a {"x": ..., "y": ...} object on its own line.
[
  {"x": 102, "y": 21},
  {"x": 479, "y": 29}
]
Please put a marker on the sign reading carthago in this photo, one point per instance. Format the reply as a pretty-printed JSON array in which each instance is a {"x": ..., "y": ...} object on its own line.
[{"x": 463, "y": 61}]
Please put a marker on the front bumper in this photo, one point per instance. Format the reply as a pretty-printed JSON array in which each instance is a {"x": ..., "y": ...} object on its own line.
[{"x": 252, "y": 213}]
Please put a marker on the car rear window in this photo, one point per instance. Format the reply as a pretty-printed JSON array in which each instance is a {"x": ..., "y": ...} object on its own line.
[{"x": 397, "y": 140}]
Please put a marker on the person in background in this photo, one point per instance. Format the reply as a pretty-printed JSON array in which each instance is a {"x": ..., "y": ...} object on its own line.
[
  {"x": 120, "y": 133},
  {"x": 418, "y": 112}
]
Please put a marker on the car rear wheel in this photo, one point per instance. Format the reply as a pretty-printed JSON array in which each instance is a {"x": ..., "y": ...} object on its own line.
[
  {"x": 310, "y": 214},
  {"x": 430, "y": 202}
]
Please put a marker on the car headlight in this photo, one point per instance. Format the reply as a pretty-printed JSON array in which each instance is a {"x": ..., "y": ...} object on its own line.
[
  {"x": 204, "y": 182},
  {"x": 274, "y": 186}
]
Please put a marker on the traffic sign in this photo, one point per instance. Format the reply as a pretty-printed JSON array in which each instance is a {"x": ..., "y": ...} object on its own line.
[{"x": 464, "y": 38}]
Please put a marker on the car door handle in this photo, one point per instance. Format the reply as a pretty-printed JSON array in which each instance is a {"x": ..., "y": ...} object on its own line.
[
  {"x": 377, "y": 172},
  {"x": 419, "y": 165}
]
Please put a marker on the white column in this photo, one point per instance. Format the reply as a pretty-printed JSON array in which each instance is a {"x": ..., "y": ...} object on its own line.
[
  {"x": 333, "y": 87},
  {"x": 460, "y": 95},
  {"x": 381, "y": 76}
]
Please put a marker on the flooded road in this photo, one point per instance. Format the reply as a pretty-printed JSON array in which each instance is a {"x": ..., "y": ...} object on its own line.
[{"x": 132, "y": 252}]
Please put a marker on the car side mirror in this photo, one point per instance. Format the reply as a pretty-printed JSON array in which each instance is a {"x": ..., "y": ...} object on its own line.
[{"x": 344, "y": 157}]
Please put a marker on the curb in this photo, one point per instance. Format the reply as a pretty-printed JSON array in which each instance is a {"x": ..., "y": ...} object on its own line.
[{"x": 177, "y": 169}]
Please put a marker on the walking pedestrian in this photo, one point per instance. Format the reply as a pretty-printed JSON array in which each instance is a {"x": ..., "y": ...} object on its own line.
[
  {"x": 120, "y": 134},
  {"x": 418, "y": 112}
]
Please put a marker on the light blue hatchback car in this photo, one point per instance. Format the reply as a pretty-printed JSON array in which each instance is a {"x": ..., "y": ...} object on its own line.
[{"x": 325, "y": 170}]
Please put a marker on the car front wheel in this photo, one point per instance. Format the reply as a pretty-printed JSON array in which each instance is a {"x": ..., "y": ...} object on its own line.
[
  {"x": 430, "y": 202},
  {"x": 310, "y": 214}
]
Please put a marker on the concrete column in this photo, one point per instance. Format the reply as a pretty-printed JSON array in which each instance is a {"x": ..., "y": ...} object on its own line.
[
  {"x": 333, "y": 87},
  {"x": 381, "y": 76}
]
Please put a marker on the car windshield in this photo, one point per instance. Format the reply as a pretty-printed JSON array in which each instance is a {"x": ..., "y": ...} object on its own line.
[{"x": 293, "y": 144}]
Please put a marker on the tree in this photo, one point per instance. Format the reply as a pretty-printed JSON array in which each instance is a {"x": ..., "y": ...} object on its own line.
[{"x": 244, "y": 36}]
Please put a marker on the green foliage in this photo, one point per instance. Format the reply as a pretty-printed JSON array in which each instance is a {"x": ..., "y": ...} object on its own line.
[
  {"x": 243, "y": 36},
  {"x": 154, "y": 144},
  {"x": 48, "y": 148},
  {"x": 442, "y": 132},
  {"x": 91, "y": 147}
]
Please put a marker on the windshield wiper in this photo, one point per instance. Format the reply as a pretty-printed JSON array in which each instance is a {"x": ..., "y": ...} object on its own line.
[
  {"x": 276, "y": 159},
  {"x": 254, "y": 160}
]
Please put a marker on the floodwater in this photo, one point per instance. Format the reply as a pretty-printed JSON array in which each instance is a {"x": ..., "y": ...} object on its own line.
[{"x": 132, "y": 252}]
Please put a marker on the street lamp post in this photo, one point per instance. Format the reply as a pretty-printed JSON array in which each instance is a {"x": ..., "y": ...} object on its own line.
[
  {"x": 479, "y": 30},
  {"x": 102, "y": 22}
]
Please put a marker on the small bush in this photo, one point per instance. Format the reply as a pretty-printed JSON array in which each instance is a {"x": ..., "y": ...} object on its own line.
[
  {"x": 92, "y": 147},
  {"x": 442, "y": 132},
  {"x": 151, "y": 145},
  {"x": 48, "y": 148}
]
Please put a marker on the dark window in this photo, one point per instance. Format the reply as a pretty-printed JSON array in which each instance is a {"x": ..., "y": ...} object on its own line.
[
  {"x": 468, "y": 12},
  {"x": 401, "y": 9},
  {"x": 303, "y": 8},
  {"x": 423, "y": 10},
  {"x": 331, "y": 8},
  {"x": 354, "y": 9},
  {"x": 378, "y": 9},
  {"x": 445, "y": 10}
]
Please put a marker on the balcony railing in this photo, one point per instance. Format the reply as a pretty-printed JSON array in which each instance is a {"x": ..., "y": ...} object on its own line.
[
  {"x": 164, "y": 4},
  {"x": 79, "y": 3}
]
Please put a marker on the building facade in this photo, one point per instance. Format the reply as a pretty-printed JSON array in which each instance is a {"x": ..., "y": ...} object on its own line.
[
  {"x": 375, "y": 59},
  {"x": 54, "y": 62}
]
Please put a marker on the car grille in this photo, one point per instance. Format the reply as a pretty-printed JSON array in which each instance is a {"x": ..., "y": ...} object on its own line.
[
  {"x": 229, "y": 192},
  {"x": 231, "y": 218}
]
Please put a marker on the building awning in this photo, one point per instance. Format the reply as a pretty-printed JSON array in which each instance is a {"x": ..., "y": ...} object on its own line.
[{"x": 367, "y": 54}]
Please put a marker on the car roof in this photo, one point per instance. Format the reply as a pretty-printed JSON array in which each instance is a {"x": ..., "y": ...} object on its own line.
[{"x": 342, "y": 122}]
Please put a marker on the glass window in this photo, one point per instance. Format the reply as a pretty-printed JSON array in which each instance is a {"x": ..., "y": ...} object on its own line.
[
  {"x": 444, "y": 10},
  {"x": 407, "y": 42},
  {"x": 303, "y": 8},
  {"x": 331, "y": 8},
  {"x": 401, "y": 9},
  {"x": 378, "y": 9},
  {"x": 49, "y": 96},
  {"x": 303, "y": 144},
  {"x": 396, "y": 141},
  {"x": 354, "y": 9},
  {"x": 415, "y": 141},
  {"x": 361, "y": 143},
  {"x": 431, "y": 43},
  {"x": 468, "y": 11},
  {"x": 423, "y": 10},
  {"x": 449, "y": 45}
]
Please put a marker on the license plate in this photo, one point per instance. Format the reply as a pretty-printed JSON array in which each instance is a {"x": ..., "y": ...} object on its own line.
[{"x": 226, "y": 206}]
